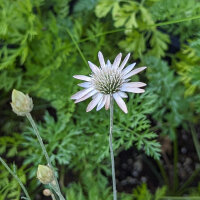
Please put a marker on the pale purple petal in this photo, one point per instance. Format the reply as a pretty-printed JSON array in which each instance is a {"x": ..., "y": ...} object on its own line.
[
  {"x": 132, "y": 89},
  {"x": 81, "y": 93},
  {"x": 94, "y": 102},
  {"x": 94, "y": 96},
  {"x": 107, "y": 104},
  {"x": 122, "y": 94},
  {"x": 117, "y": 61},
  {"x": 82, "y": 77},
  {"x": 134, "y": 84},
  {"x": 109, "y": 63},
  {"x": 101, "y": 60},
  {"x": 88, "y": 95},
  {"x": 93, "y": 67},
  {"x": 85, "y": 84},
  {"x": 135, "y": 71},
  {"x": 128, "y": 69},
  {"x": 120, "y": 102},
  {"x": 101, "y": 103},
  {"x": 124, "y": 62}
]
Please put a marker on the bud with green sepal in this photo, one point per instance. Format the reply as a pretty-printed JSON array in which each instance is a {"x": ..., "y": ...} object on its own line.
[
  {"x": 45, "y": 174},
  {"x": 21, "y": 104}
]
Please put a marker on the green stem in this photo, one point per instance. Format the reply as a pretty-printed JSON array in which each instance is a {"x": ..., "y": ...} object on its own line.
[
  {"x": 78, "y": 48},
  {"x": 16, "y": 177},
  {"x": 62, "y": 176},
  {"x": 53, "y": 197},
  {"x": 111, "y": 149},
  {"x": 196, "y": 142},
  {"x": 147, "y": 27},
  {"x": 162, "y": 170},
  {"x": 39, "y": 138},
  {"x": 175, "y": 185},
  {"x": 57, "y": 189},
  {"x": 179, "y": 198},
  {"x": 152, "y": 168},
  {"x": 176, "y": 21},
  {"x": 103, "y": 33}
]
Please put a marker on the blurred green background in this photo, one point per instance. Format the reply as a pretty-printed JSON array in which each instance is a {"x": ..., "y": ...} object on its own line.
[{"x": 43, "y": 43}]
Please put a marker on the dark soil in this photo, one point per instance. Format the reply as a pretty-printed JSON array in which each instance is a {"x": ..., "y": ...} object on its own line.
[{"x": 134, "y": 168}]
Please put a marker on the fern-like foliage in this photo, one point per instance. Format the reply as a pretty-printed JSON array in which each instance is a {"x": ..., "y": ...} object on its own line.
[
  {"x": 17, "y": 30},
  {"x": 142, "y": 192},
  {"x": 40, "y": 57},
  {"x": 10, "y": 78},
  {"x": 86, "y": 140},
  {"x": 137, "y": 20},
  {"x": 136, "y": 127},
  {"x": 165, "y": 10},
  {"x": 84, "y": 6},
  {"x": 10, "y": 145},
  {"x": 172, "y": 107},
  {"x": 9, "y": 187},
  {"x": 187, "y": 64},
  {"x": 168, "y": 9},
  {"x": 91, "y": 188}
]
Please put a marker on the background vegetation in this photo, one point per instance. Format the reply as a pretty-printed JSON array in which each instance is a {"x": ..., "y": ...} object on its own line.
[{"x": 44, "y": 43}]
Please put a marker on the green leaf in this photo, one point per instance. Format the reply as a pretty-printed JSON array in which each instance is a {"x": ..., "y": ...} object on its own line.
[
  {"x": 159, "y": 43},
  {"x": 134, "y": 42},
  {"x": 141, "y": 193},
  {"x": 104, "y": 7},
  {"x": 160, "y": 192}
]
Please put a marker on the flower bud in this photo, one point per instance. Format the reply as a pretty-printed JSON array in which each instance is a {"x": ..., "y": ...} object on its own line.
[
  {"x": 21, "y": 104},
  {"x": 45, "y": 174},
  {"x": 47, "y": 192}
]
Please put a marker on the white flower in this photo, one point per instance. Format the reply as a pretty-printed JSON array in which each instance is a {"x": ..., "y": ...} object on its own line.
[{"x": 107, "y": 81}]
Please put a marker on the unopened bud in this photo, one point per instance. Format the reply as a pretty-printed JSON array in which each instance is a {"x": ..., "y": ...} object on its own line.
[
  {"x": 47, "y": 192},
  {"x": 45, "y": 174},
  {"x": 21, "y": 104}
]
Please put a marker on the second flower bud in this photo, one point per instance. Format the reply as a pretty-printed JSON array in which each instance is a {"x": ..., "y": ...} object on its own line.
[{"x": 45, "y": 174}]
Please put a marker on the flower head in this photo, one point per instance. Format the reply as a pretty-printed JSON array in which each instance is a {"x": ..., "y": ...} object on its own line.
[
  {"x": 107, "y": 81},
  {"x": 21, "y": 103}
]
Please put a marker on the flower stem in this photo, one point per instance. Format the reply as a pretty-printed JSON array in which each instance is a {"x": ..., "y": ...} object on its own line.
[
  {"x": 77, "y": 46},
  {"x": 16, "y": 177},
  {"x": 57, "y": 188},
  {"x": 111, "y": 149},
  {"x": 53, "y": 197}
]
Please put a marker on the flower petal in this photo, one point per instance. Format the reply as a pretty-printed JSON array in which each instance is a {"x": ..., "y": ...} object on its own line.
[
  {"x": 128, "y": 69},
  {"x": 135, "y": 71},
  {"x": 82, "y": 77},
  {"x": 134, "y": 84},
  {"x": 93, "y": 67},
  {"x": 101, "y": 103},
  {"x": 122, "y": 94},
  {"x": 117, "y": 61},
  {"x": 124, "y": 61},
  {"x": 108, "y": 63},
  {"x": 101, "y": 59},
  {"x": 94, "y": 96},
  {"x": 132, "y": 89},
  {"x": 120, "y": 102},
  {"x": 88, "y": 95},
  {"x": 107, "y": 103},
  {"x": 94, "y": 102},
  {"x": 85, "y": 84},
  {"x": 81, "y": 93}
]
